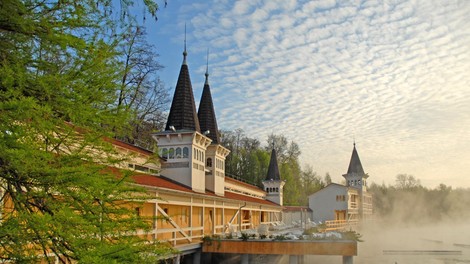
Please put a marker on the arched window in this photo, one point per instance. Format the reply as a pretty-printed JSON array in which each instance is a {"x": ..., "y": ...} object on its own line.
[
  {"x": 267, "y": 189},
  {"x": 277, "y": 189},
  {"x": 172, "y": 153},
  {"x": 165, "y": 153},
  {"x": 209, "y": 162},
  {"x": 178, "y": 153},
  {"x": 185, "y": 152}
]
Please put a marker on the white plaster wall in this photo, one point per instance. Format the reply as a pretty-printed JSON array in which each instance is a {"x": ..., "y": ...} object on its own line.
[{"x": 323, "y": 203}]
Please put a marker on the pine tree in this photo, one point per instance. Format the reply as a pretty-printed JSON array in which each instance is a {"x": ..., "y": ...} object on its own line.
[{"x": 59, "y": 76}]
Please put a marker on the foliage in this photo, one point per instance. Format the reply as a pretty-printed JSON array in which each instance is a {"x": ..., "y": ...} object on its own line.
[
  {"x": 310, "y": 231},
  {"x": 244, "y": 236},
  {"x": 207, "y": 239},
  {"x": 352, "y": 235},
  {"x": 60, "y": 71},
  {"x": 280, "y": 238},
  {"x": 249, "y": 161},
  {"x": 410, "y": 203}
]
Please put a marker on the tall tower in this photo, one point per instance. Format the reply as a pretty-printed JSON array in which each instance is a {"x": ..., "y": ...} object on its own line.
[
  {"x": 273, "y": 185},
  {"x": 216, "y": 153},
  {"x": 182, "y": 144},
  {"x": 355, "y": 177}
]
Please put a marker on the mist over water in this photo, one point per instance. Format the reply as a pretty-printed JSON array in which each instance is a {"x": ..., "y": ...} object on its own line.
[
  {"x": 431, "y": 243},
  {"x": 440, "y": 243},
  {"x": 387, "y": 243}
]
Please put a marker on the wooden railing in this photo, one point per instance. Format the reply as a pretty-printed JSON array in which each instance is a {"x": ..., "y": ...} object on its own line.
[{"x": 332, "y": 225}]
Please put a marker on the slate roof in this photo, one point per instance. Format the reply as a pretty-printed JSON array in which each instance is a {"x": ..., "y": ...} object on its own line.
[
  {"x": 183, "y": 114},
  {"x": 355, "y": 165},
  {"x": 206, "y": 113},
  {"x": 273, "y": 169}
]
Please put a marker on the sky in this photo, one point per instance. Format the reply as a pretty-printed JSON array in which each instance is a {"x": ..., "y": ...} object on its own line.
[{"x": 393, "y": 76}]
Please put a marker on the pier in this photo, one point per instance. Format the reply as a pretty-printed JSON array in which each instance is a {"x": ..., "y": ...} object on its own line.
[{"x": 295, "y": 249}]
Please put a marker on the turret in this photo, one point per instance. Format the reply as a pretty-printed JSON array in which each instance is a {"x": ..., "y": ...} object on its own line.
[
  {"x": 216, "y": 153},
  {"x": 355, "y": 177},
  {"x": 182, "y": 145},
  {"x": 273, "y": 185}
]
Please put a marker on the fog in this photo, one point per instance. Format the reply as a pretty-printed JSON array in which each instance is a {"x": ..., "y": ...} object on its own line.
[{"x": 447, "y": 243}]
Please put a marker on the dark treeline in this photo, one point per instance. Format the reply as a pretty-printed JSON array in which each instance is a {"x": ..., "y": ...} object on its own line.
[
  {"x": 408, "y": 202},
  {"x": 249, "y": 161}
]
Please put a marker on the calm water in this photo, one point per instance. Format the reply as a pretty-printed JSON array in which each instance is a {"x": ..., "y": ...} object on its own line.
[{"x": 382, "y": 244}]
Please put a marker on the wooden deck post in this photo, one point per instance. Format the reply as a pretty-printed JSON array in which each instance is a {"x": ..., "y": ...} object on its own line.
[
  {"x": 245, "y": 259},
  {"x": 293, "y": 259},
  {"x": 347, "y": 260}
]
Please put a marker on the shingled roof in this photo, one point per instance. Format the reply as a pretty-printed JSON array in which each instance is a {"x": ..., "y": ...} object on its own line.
[
  {"x": 273, "y": 169},
  {"x": 206, "y": 113},
  {"x": 355, "y": 165},
  {"x": 183, "y": 114}
]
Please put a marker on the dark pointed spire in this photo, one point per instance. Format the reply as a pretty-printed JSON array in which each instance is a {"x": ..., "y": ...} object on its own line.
[
  {"x": 206, "y": 112},
  {"x": 273, "y": 169},
  {"x": 185, "y": 53},
  {"x": 183, "y": 115},
  {"x": 207, "y": 69},
  {"x": 355, "y": 165}
]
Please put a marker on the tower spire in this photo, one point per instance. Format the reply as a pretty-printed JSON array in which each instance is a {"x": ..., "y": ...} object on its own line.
[
  {"x": 183, "y": 115},
  {"x": 207, "y": 69},
  {"x": 273, "y": 169},
  {"x": 185, "y": 53},
  {"x": 206, "y": 112},
  {"x": 355, "y": 165}
]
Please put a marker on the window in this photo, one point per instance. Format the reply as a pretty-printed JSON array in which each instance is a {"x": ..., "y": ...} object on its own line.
[
  {"x": 185, "y": 152},
  {"x": 178, "y": 153},
  {"x": 141, "y": 168},
  {"x": 267, "y": 189},
  {"x": 172, "y": 153},
  {"x": 165, "y": 153},
  {"x": 277, "y": 189},
  {"x": 209, "y": 162}
]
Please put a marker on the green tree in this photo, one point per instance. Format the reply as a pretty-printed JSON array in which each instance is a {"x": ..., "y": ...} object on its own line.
[
  {"x": 141, "y": 92},
  {"x": 327, "y": 178},
  {"x": 310, "y": 183},
  {"x": 59, "y": 77}
]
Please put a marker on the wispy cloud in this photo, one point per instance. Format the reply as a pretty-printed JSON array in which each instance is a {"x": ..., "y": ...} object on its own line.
[{"x": 394, "y": 75}]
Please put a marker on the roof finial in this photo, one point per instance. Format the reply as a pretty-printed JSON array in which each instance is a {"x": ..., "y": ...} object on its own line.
[
  {"x": 354, "y": 141},
  {"x": 184, "y": 52},
  {"x": 207, "y": 67}
]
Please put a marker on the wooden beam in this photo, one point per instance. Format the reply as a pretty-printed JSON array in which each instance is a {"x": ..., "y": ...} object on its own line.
[{"x": 174, "y": 224}]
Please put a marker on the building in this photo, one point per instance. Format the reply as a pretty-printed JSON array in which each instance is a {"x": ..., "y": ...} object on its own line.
[
  {"x": 349, "y": 202},
  {"x": 193, "y": 196}
]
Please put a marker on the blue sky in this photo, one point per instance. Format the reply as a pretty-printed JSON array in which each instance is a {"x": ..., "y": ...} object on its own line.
[{"x": 394, "y": 75}]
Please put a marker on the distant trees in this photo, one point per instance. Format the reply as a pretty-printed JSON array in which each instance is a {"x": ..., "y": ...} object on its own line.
[
  {"x": 408, "y": 202},
  {"x": 249, "y": 161},
  {"x": 405, "y": 181}
]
